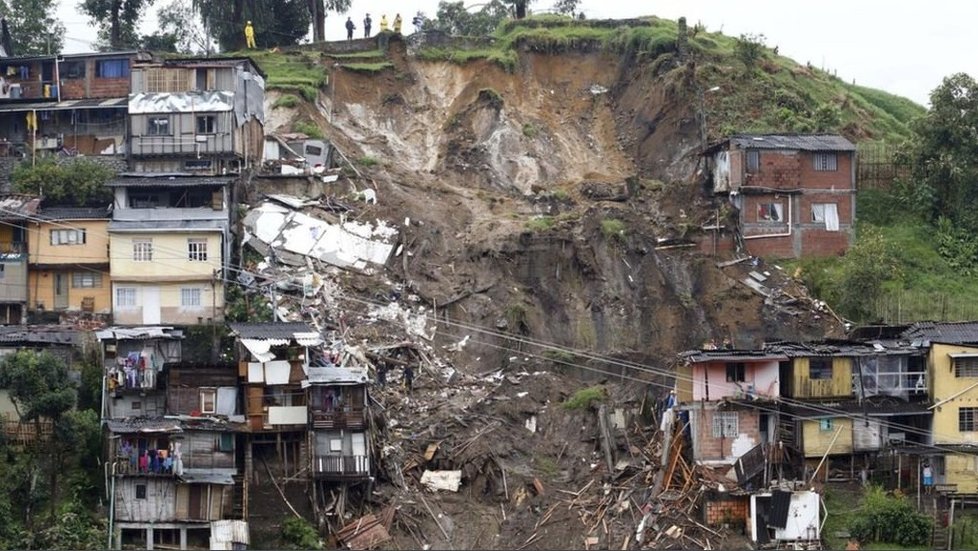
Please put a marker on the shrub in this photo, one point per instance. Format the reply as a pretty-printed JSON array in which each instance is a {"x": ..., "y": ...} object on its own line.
[
  {"x": 612, "y": 228},
  {"x": 300, "y": 534},
  {"x": 749, "y": 48},
  {"x": 889, "y": 519},
  {"x": 529, "y": 130},
  {"x": 585, "y": 397},
  {"x": 80, "y": 181},
  {"x": 288, "y": 101},
  {"x": 308, "y": 128},
  {"x": 367, "y": 160},
  {"x": 540, "y": 223}
]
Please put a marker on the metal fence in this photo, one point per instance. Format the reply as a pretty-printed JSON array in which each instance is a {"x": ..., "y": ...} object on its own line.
[
  {"x": 877, "y": 166},
  {"x": 905, "y": 307}
]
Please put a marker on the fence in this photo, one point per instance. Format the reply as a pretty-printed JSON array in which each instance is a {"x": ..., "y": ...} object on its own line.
[
  {"x": 904, "y": 307},
  {"x": 877, "y": 166}
]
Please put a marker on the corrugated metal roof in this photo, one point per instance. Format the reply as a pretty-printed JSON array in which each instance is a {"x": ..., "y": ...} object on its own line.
[
  {"x": 732, "y": 355},
  {"x": 38, "y": 334},
  {"x": 804, "y": 142},
  {"x": 208, "y": 476},
  {"x": 167, "y": 180},
  {"x": 272, "y": 330},
  {"x": 176, "y": 224},
  {"x": 142, "y": 424},
  {"x": 946, "y": 332},
  {"x": 138, "y": 333},
  {"x": 73, "y": 213},
  {"x": 66, "y": 105}
]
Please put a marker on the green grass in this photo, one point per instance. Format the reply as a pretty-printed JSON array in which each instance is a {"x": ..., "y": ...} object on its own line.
[
  {"x": 540, "y": 223},
  {"x": 530, "y": 130},
  {"x": 368, "y": 67},
  {"x": 291, "y": 71},
  {"x": 360, "y": 55},
  {"x": 287, "y": 101},
  {"x": 585, "y": 397},
  {"x": 368, "y": 161},
  {"x": 308, "y": 128},
  {"x": 613, "y": 228}
]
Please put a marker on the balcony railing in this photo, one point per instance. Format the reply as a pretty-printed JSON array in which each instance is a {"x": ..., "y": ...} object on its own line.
[
  {"x": 341, "y": 466},
  {"x": 352, "y": 419},
  {"x": 12, "y": 248},
  {"x": 124, "y": 466}
]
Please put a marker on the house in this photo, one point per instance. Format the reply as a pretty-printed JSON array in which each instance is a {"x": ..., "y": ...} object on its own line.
[
  {"x": 68, "y": 260},
  {"x": 15, "y": 211},
  {"x": 729, "y": 397},
  {"x": 202, "y": 116},
  {"x": 74, "y": 102},
  {"x": 338, "y": 417},
  {"x": 169, "y": 237},
  {"x": 172, "y": 469},
  {"x": 795, "y": 193}
]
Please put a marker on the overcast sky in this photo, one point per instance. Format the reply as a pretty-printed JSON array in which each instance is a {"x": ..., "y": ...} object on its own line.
[{"x": 901, "y": 47}]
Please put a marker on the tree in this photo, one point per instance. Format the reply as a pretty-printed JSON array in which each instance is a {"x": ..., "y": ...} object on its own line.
[
  {"x": 749, "y": 48},
  {"x": 276, "y": 22},
  {"x": 452, "y": 18},
  {"x": 38, "y": 385},
  {"x": 180, "y": 30},
  {"x": 943, "y": 154},
  {"x": 519, "y": 7},
  {"x": 869, "y": 263},
  {"x": 317, "y": 11},
  {"x": 566, "y": 7},
  {"x": 117, "y": 18},
  {"x": 33, "y": 26},
  {"x": 79, "y": 182}
]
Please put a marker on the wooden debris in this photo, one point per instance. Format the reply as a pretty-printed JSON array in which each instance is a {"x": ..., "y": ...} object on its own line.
[
  {"x": 538, "y": 486},
  {"x": 367, "y": 532},
  {"x": 430, "y": 452}
]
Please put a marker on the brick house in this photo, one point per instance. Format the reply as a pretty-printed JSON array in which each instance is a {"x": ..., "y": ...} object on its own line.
[{"x": 795, "y": 192}]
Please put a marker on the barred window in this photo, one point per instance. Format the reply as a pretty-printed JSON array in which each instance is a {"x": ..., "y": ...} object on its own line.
[
  {"x": 142, "y": 250},
  {"x": 86, "y": 280},
  {"x": 966, "y": 367},
  {"x": 197, "y": 250},
  {"x": 725, "y": 424},
  {"x": 190, "y": 296},
  {"x": 68, "y": 237},
  {"x": 753, "y": 161},
  {"x": 968, "y": 419},
  {"x": 125, "y": 296},
  {"x": 825, "y": 162},
  {"x": 158, "y": 126}
]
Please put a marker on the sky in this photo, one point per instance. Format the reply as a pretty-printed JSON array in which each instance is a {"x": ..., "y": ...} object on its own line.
[{"x": 896, "y": 45}]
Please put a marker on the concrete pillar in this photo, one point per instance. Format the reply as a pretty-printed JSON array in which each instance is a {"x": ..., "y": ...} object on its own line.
[
  {"x": 117, "y": 536},
  {"x": 183, "y": 538},
  {"x": 149, "y": 537}
]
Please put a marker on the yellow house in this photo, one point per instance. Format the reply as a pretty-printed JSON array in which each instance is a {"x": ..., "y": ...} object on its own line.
[
  {"x": 69, "y": 260},
  {"x": 168, "y": 240},
  {"x": 818, "y": 377},
  {"x": 953, "y": 370},
  {"x": 827, "y": 434},
  {"x": 15, "y": 211}
]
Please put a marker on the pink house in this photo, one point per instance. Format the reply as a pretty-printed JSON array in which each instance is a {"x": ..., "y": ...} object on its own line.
[{"x": 712, "y": 375}]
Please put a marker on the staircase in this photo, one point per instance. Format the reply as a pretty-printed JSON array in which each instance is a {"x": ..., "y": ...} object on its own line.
[
  {"x": 939, "y": 536},
  {"x": 238, "y": 499}
]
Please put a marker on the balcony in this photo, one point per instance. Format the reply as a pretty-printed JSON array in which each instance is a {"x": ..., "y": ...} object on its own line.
[
  {"x": 347, "y": 419},
  {"x": 127, "y": 467},
  {"x": 341, "y": 466},
  {"x": 12, "y": 248}
]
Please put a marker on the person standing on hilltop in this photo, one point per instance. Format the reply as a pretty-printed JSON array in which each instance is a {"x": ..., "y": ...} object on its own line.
[
  {"x": 397, "y": 24},
  {"x": 249, "y": 36},
  {"x": 383, "y": 23},
  {"x": 367, "y": 22},
  {"x": 349, "y": 28}
]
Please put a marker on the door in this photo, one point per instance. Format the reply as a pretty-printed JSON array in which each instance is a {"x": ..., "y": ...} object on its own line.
[
  {"x": 60, "y": 290},
  {"x": 196, "y": 495},
  {"x": 151, "y": 305}
]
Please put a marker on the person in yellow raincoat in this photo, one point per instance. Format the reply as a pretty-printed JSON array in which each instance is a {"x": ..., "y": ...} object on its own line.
[
  {"x": 383, "y": 23},
  {"x": 249, "y": 35},
  {"x": 397, "y": 24}
]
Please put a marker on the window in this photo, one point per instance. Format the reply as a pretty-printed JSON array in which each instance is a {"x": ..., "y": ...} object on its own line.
[
  {"x": 206, "y": 124},
  {"x": 825, "y": 162},
  {"x": 145, "y": 200},
  {"x": 770, "y": 212},
  {"x": 112, "y": 68},
  {"x": 208, "y": 400},
  {"x": 968, "y": 419},
  {"x": 158, "y": 126},
  {"x": 68, "y": 237},
  {"x": 125, "y": 296},
  {"x": 826, "y": 213},
  {"x": 197, "y": 250},
  {"x": 825, "y": 424},
  {"x": 753, "y": 162},
  {"x": 86, "y": 280},
  {"x": 226, "y": 443},
  {"x": 735, "y": 372},
  {"x": 137, "y": 406},
  {"x": 314, "y": 150},
  {"x": 142, "y": 250},
  {"x": 72, "y": 69},
  {"x": 190, "y": 296},
  {"x": 140, "y": 491},
  {"x": 725, "y": 424},
  {"x": 197, "y": 164},
  {"x": 820, "y": 368},
  {"x": 966, "y": 367}
]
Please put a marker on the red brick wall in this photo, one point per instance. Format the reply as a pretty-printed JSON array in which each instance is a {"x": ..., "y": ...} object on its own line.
[
  {"x": 733, "y": 510},
  {"x": 710, "y": 448},
  {"x": 779, "y": 169},
  {"x": 838, "y": 179}
]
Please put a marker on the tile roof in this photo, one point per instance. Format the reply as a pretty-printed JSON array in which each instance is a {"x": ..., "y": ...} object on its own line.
[
  {"x": 73, "y": 213},
  {"x": 804, "y": 142},
  {"x": 41, "y": 334},
  {"x": 271, "y": 330},
  {"x": 166, "y": 180},
  {"x": 947, "y": 332},
  {"x": 14, "y": 206}
]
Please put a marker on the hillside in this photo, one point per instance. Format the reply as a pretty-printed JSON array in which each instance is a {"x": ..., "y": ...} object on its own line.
[{"x": 547, "y": 191}]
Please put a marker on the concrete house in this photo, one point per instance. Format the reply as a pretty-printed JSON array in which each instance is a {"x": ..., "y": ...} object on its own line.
[
  {"x": 69, "y": 260},
  {"x": 15, "y": 212},
  {"x": 338, "y": 416},
  {"x": 169, "y": 237},
  {"x": 72, "y": 101},
  {"x": 795, "y": 193},
  {"x": 199, "y": 115}
]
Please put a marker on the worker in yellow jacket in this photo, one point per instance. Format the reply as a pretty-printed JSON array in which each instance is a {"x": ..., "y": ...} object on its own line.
[
  {"x": 383, "y": 23},
  {"x": 397, "y": 24},
  {"x": 249, "y": 35}
]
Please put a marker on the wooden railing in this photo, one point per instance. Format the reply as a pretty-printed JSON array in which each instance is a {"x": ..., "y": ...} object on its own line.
[
  {"x": 25, "y": 432},
  {"x": 353, "y": 419},
  {"x": 341, "y": 465}
]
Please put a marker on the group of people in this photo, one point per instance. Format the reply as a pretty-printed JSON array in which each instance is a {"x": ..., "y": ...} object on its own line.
[
  {"x": 408, "y": 376},
  {"x": 159, "y": 461},
  {"x": 384, "y": 27}
]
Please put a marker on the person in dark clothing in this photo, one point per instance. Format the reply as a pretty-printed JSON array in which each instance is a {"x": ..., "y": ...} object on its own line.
[
  {"x": 367, "y": 22},
  {"x": 382, "y": 375},
  {"x": 408, "y": 378},
  {"x": 349, "y": 28}
]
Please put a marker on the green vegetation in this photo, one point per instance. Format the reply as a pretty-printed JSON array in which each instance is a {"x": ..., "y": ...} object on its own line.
[
  {"x": 585, "y": 397},
  {"x": 613, "y": 228},
  {"x": 965, "y": 530},
  {"x": 887, "y": 518},
  {"x": 540, "y": 223},
  {"x": 530, "y": 130},
  {"x": 371, "y": 54},
  {"x": 368, "y": 161},
  {"x": 308, "y": 128},
  {"x": 300, "y": 534},
  {"x": 79, "y": 182},
  {"x": 749, "y": 48},
  {"x": 545, "y": 464},
  {"x": 375, "y": 67},
  {"x": 288, "y": 101},
  {"x": 293, "y": 71},
  {"x": 561, "y": 356}
]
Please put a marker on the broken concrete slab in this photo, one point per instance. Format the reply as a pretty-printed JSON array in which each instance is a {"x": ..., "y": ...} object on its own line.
[{"x": 442, "y": 480}]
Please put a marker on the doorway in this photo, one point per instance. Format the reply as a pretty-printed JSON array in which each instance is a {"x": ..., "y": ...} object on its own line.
[{"x": 60, "y": 290}]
